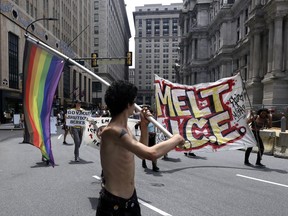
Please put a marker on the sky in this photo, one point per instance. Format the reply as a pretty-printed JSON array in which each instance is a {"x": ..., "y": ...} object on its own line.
[{"x": 130, "y": 8}]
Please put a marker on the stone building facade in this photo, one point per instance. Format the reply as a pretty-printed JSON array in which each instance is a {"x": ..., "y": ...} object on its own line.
[
  {"x": 110, "y": 34},
  {"x": 15, "y": 16},
  {"x": 222, "y": 38},
  {"x": 157, "y": 37}
]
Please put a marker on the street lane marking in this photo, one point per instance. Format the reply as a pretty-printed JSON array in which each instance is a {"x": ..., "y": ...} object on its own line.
[
  {"x": 97, "y": 177},
  {"x": 153, "y": 208},
  {"x": 144, "y": 203},
  {"x": 261, "y": 180},
  {"x": 59, "y": 136}
]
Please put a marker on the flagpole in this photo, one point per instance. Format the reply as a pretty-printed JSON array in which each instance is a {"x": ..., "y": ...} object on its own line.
[{"x": 68, "y": 59}]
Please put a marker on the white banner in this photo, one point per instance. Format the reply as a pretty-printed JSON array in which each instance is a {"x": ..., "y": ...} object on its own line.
[
  {"x": 77, "y": 117},
  {"x": 211, "y": 116},
  {"x": 94, "y": 126}
]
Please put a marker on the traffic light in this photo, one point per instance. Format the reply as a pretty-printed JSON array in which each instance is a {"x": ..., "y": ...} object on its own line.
[
  {"x": 94, "y": 60},
  {"x": 128, "y": 60}
]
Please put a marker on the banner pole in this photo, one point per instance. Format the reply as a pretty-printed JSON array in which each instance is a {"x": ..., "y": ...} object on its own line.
[{"x": 68, "y": 59}]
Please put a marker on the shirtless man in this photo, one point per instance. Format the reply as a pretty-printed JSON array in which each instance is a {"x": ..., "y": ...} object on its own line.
[{"x": 118, "y": 147}]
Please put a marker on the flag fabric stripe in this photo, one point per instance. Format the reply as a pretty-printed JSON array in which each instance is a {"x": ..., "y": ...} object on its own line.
[{"x": 42, "y": 71}]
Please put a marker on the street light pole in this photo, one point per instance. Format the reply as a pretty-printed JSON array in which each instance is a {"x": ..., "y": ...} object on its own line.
[{"x": 43, "y": 18}]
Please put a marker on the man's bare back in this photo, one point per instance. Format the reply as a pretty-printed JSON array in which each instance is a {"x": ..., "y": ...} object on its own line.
[{"x": 119, "y": 167}]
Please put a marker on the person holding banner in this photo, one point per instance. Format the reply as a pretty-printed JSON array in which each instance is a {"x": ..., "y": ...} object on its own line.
[
  {"x": 77, "y": 132},
  {"x": 118, "y": 149},
  {"x": 262, "y": 120}
]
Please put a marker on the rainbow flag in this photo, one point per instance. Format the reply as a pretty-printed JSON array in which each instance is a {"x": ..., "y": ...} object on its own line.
[{"x": 42, "y": 71}]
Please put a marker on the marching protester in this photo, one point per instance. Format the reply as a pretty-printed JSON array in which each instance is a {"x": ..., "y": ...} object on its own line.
[
  {"x": 118, "y": 148},
  {"x": 151, "y": 142},
  {"x": 262, "y": 120},
  {"x": 65, "y": 128},
  {"x": 77, "y": 133}
]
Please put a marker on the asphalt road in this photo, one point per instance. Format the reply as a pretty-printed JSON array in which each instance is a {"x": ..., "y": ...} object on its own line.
[{"x": 206, "y": 185}]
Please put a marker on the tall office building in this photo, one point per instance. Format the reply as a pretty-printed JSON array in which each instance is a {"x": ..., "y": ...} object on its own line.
[
  {"x": 157, "y": 37},
  {"x": 63, "y": 35},
  {"x": 221, "y": 38},
  {"x": 110, "y": 39},
  {"x": 131, "y": 75}
]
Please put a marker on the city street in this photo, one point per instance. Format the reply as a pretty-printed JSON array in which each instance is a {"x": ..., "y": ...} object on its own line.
[{"x": 206, "y": 185}]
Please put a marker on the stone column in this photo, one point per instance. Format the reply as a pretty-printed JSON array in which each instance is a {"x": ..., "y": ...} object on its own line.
[
  {"x": 270, "y": 46},
  {"x": 257, "y": 2},
  {"x": 193, "y": 48},
  {"x": 242, "y": 66},
  {"x": 251, "y": 57},
  {"x": 256, "y": 56},
  {"x": 253, "y": 4},
  {"x": 264, "y": 56},
  {"x": 185, "y": 25},
  {"x": 278, "y": 45},
  {"x": 286, "y": 45}
]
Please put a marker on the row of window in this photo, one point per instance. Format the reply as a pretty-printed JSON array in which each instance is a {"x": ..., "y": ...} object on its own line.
[
  {"x": 157, "y": 21},
  {"x": 158, "y": 51},
  {"x": 149, "y": 45},
  {"x": 151, "y": 40}
]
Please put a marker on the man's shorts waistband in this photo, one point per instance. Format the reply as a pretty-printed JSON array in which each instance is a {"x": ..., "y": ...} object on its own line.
[{"x": 123, "y": 203}]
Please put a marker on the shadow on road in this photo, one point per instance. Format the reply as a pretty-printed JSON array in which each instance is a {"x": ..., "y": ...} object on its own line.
[
  {"x": 94, "y": 202},
  {"x": 169, "y": 159},
  {"x": 82, "y": 161},
  {"x": 42, "y": 164},
  {"x": 197, "y": 157},
  {"x": 227, "y": 167},
  {"x": 267, "y": 169}
]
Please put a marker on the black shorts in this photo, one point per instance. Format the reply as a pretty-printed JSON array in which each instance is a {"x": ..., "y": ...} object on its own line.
[
  {"x": 111, "y": 205},
  {"x": 151, "y": 140}
]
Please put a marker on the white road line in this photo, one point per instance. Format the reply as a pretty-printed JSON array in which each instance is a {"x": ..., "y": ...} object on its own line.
[
  {"x": 153, "y": 208},
  {"x": 97, "y": 177},
  {"x": 261, "y": 180},
  {"x": 60, "y": 136},
  {"x": 144, "y": 203}
]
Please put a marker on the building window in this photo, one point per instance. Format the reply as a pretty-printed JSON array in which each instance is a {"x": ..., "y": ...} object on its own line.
[
  {"x": 96, "y": 30},
  {"x": 246, "y": 30},
  {"x": 66, "y": 82},
  {"x": 89, "y": 90},
  {"x": 96, "y": 41},
  {"x": 74, "y": 85},
  {"x": 27, "y": 6},
  {"x": 96, "y": 18},
  {"x": 238, "y": 35},
  {"x": 85, "y": 88},
  {"x": 13, "y": 41},
  {"x": 96, "y": 87},
  {"x": 238, "y": 22},
  {"x": 246, "y": 14}
]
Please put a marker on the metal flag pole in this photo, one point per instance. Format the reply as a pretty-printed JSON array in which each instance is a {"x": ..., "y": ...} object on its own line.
[{"x": 138, "y": 108}]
